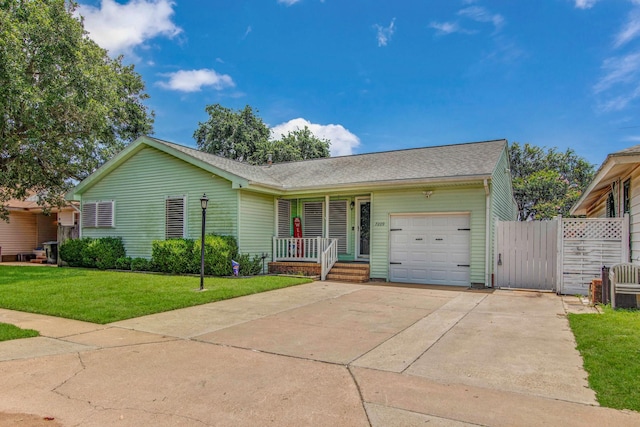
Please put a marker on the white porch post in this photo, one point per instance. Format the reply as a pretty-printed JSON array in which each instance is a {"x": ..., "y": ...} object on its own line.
[{"x": 326, "y": 217}]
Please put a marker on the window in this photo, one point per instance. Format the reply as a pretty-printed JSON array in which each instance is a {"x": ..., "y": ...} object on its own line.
[
  {"x": 611, "y": 206},
  {"x": 312, "y": 212},
  {"x": 284, "y": 218},
  {"x": 174, "y": 217},
  {"x": 626, "y": 196},
  {"x": 338, "y": 223},
  {"x": 98, "y": 214}
]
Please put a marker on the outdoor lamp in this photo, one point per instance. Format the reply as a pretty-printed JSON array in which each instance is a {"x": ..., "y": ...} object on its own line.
[{"x": 203, "y": 203}]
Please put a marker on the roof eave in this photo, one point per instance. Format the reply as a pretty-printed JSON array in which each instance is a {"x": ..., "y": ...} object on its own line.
[
  {"x": 399, "y": 183},
  {"x": 592, "y": 192}
]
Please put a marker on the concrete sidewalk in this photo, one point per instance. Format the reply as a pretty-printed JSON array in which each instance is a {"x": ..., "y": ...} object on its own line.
[{"x": 319, "y": 354}]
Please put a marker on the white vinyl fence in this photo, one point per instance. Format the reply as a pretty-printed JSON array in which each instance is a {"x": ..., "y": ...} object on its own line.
[{"x": 561, "y": 255}]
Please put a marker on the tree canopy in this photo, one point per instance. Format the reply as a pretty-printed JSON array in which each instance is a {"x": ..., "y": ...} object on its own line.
[
  {"x": 547, "y": 182},
  {"x": 65, "y": 105},
  {"x": 242, "y": 135}
]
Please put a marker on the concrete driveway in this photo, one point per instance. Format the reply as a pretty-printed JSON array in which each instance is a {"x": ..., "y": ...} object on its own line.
[{"x": 321, "y": 354}]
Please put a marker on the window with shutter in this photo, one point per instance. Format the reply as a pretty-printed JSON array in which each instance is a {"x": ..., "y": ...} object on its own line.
[
  {"x": 98, "y": 214},
  {"x": 174, "y": 217},
  {"x": 338, "y": 223},
  {"x": 312, "y": 212},
  {"x": 284, "y": 218}
]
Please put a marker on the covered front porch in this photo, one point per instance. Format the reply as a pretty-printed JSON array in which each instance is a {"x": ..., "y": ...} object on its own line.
[{"x": 315, "y": 256}]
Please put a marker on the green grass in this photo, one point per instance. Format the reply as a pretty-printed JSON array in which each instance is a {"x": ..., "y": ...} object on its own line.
[
  {"x": 108, "y": 296},
  {"x": 610, "y": 347},
  {"x": 12, "y": 332}
]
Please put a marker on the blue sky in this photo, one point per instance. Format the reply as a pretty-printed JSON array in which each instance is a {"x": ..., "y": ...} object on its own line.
[{"x": 383, "y": 75}]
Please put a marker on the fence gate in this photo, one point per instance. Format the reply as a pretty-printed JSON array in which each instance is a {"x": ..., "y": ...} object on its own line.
[
  {"x": 587, "y": 245},
  {"x": 561, "y": 255},
  {"x": 526, "y": 254}
]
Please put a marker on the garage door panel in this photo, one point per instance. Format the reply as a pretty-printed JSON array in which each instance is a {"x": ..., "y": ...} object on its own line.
[{"x": 430, "y": 249}]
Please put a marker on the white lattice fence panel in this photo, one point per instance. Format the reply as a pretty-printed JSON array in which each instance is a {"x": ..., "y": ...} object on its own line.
[
  {"x": 588, "y": 244},
  {"x": 592, "y": 228}
]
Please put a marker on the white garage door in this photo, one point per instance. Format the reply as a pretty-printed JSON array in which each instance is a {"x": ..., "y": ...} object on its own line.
[{"x": 430, "y": 249}]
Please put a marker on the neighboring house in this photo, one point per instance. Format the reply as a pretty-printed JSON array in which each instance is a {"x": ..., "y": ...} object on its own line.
[
  {"x": 422, "y": 215},
  {"x": 28, "y": 227},
  {"x": 614, "y": 192}
]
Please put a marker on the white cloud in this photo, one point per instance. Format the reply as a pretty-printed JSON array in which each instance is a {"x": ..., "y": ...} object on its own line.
[
  {"x": 621, "y": 83},
  {"x": 444, "y": 28},
  {"x": 385, "y": 33},
  {"x": 480, "y": 14},
  {"x": 585, "y": 4},
  {"x": 195, "y": 80},
  {"x": 631, "y": 29},
  {"x": 619, "y": 70},
  {"x": 120, "y": 28},
  {"x": 342, "y": 141},
  {"x": 288, "y": 2}
]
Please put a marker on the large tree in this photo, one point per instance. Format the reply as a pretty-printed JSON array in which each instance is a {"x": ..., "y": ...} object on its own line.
[
  {"x": 65, "y": 105},
  {"x": 232, "y": 134},
  {"x": 242, "y": 135},
  {"x": 547, "y": 182},
  {"x": 300, "y": 144}
]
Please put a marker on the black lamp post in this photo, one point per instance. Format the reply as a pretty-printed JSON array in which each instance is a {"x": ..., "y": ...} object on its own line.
[{"x": 203, "y": 203}]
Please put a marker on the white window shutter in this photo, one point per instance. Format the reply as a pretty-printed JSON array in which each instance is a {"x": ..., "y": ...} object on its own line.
[
  {"x": 284, "y": 218},
  {"x": 338, "y": 223},
  {"x": 312, "y": 212},
  {"x": 174, "y": 216}
]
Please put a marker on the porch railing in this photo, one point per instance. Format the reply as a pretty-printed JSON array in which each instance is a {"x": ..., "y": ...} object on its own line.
[
  {"x": 307, "y": 249},
  {"x": 328, "y": 257}
]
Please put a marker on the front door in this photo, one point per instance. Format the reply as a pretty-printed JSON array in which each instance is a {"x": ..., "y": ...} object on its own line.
[{"x": 363, "y": 214}]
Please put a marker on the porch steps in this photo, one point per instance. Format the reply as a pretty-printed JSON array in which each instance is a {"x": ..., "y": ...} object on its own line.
[{"x": 349, "y": 272}]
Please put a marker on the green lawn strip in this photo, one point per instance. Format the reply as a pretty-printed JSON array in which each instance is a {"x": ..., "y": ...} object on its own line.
[
  {"x": 12, "y": 332},
  {"x": 108, "y": 296},
  {"x": 610, "y": 347}
]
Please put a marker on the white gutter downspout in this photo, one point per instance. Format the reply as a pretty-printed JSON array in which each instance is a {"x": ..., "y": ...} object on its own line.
[{"x": 487, "y": 221}]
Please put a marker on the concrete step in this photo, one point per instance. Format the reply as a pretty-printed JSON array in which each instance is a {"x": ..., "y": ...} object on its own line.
[
  {"x": 348, "y": 278},
  {"x": 341, "y": 270},
  {"x": 39, "y": 261}
]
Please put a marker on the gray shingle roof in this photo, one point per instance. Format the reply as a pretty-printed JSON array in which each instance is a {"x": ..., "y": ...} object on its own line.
[{"x": 429, "y": 163}]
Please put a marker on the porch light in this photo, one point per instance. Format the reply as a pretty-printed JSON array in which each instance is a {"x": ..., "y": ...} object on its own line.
[
  {"x": 203, "y": 203},
  {"x": 352, "y": 205}
]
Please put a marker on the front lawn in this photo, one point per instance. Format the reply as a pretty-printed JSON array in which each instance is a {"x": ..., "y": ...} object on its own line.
[
  {"x": 12, "y": 332},
  {"x": 108, "y": 296},
  {"x": 610, "y": 347}
]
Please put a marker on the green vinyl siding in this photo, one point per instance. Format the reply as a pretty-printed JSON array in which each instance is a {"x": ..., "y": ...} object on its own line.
[
  {"x": 469, "y": 200},
  {"x": 257, "y": 222},
  {"x": 503, "y": 204},
  {"x": 139, "y": 187}
]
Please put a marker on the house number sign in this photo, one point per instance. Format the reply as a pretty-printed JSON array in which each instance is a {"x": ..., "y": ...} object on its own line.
[{"x": 380, "y": 224}]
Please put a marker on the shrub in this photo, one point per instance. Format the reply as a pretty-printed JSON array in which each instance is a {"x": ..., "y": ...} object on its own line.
[
  {"x": 141, "y": 264},
  {"x": 218, "y": 253},
  {"x": 173, "y": 256},
  {"x": 72, "y": 251},
  {"x": 103, "y": 253},
  {"x": 123, "y": 263},
  {"x": 249, "y": 266}
]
